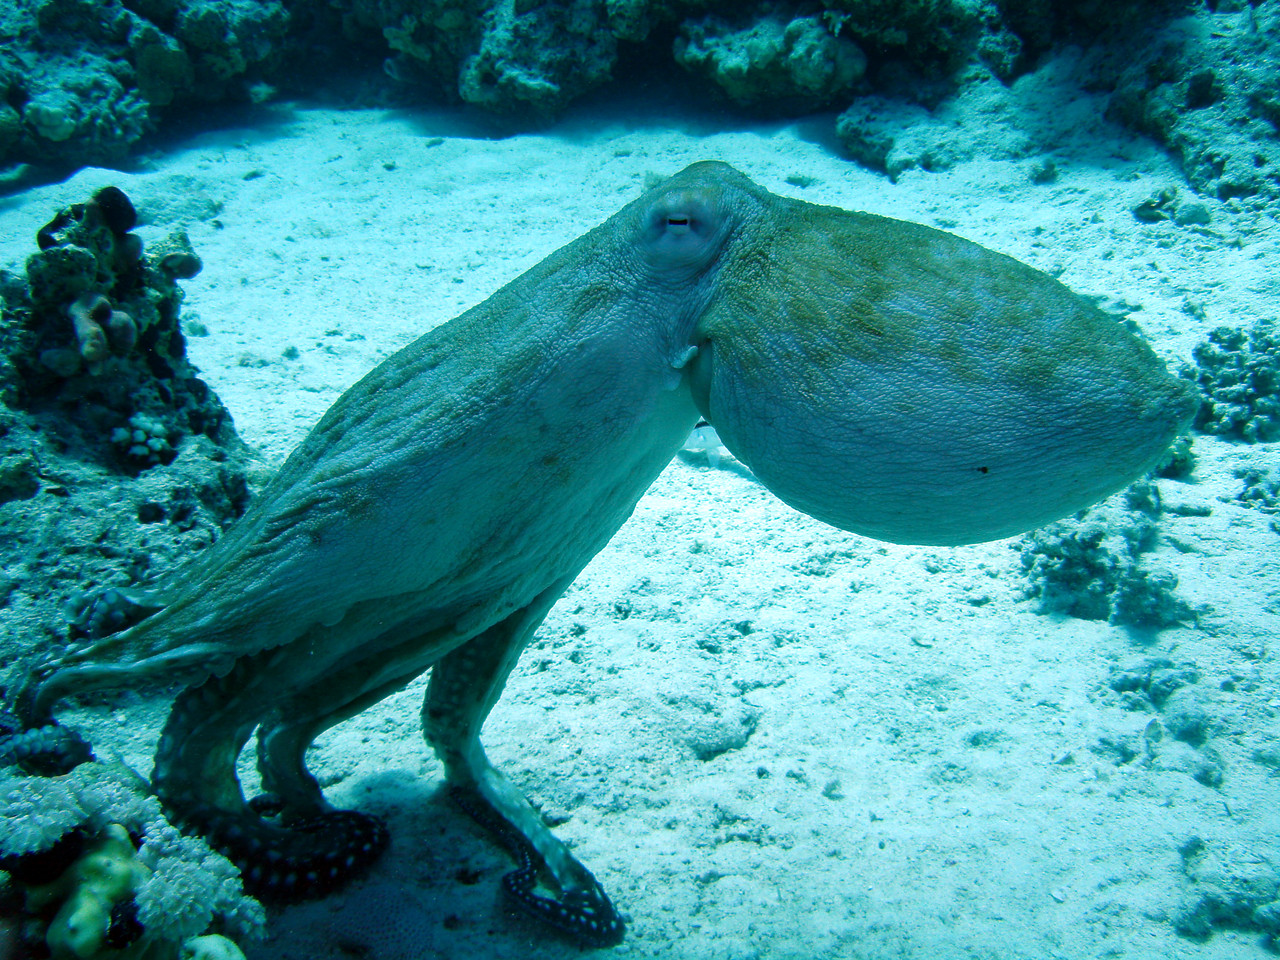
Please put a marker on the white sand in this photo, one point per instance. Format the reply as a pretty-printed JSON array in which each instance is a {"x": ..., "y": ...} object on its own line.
[{"x": 861, "y": 817}]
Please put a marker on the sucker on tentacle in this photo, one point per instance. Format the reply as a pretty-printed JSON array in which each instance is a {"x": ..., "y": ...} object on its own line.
[
  {"x": 300, "y": 859},
  {"x": 303, "y": 861},
  {"x": 587, "y": 916},
  {"x": 45, "y": 751}
]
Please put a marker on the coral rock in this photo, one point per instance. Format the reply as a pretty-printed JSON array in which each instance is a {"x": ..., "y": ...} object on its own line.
[{"x": 796, "y": 65}]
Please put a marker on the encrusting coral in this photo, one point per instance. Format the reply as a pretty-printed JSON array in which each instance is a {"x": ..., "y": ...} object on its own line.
[
  {"x": 100, "y": 331},
  {"x": 88, "y": 256},
  {"x": 780, "y": 64},
  {"x": 92, "y": 898}
]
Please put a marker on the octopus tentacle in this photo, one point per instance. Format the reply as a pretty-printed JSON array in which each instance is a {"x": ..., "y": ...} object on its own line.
[
  {"x": 46, "y": 751},
  {"x": 283, "y": 742},
  {"x": 292, "y": 789},
  {"x": 77, "y": 672},
  {"x": 586, "y": 914},
  {"x": 465, "y": 684},
  {"x": 195, "y": 780},
  {"x": 205, "y": 732},
  {"x": 310, "y": 858}
]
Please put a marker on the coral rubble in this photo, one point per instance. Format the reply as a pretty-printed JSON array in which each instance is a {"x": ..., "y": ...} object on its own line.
[
  {"x": 1094, "y": 567},
  {"x": 1238, "y": 372}
]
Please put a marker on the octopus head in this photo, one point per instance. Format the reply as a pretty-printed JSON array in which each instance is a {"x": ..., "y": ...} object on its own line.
[{"x": 898, "y": 381}]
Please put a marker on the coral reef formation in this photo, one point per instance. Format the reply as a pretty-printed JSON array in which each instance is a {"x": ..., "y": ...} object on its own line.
[
  {"x": 1189, "y": 730},
  {"x": 1260, "y": 490},
  {"x": 768, "y": 56},
  {"x": 103, "y": 874},
  {"x": 115, "y": 460},
  {"x": 986, "y": 119},
  {"x": 95, "y": 388},
  {"x": 1238, "y": 889},
  {"x": 925, "y": 39},
  {"x": 1094, "y": 566},
  {"x": 509, "y": 58},
  {"x": 1187, "y": 725},
  {"x": 1168, "y": 204},
  {"x": 786, "y": 65},
  {"x": 924, "y": 79},
  {"x": 539, "y": 59},
  {"x": 86, "y": 80},
  {"x": 95, "y": 329},
  {"x": 1238, "y": 373},
  {"x": 1207, "y": 88},
  {"x": 1185, "y": 720}
]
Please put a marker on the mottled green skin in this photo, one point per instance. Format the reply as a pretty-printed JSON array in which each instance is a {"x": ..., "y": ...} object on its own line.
[
  {"x": 912, "y": 386},
  {"x": 885, "y": 377}
]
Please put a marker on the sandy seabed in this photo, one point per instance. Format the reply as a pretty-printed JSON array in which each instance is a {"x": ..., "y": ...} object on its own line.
[{"x": 768, "y": 738}]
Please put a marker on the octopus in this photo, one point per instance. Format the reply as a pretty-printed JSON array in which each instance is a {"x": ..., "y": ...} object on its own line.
[{"x": 884, "y": 377}]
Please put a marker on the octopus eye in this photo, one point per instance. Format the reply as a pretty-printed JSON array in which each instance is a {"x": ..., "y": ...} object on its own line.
[
  {"x": 681, "y": 225},
  {"x": 683, "y": 228}
]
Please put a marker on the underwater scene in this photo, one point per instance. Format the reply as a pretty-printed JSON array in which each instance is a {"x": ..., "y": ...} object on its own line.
[{"x": 675, "y": 479}]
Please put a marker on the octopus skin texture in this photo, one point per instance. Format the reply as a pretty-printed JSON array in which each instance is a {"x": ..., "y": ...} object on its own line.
[{"x": 885, "y": 377}]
